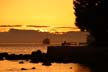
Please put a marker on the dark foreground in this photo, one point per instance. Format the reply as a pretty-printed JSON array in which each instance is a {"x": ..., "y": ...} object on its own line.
[{"x": 60, "y": 54}]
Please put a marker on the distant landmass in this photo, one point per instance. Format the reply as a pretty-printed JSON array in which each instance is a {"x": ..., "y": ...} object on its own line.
[{"x": 32, "y": 36}]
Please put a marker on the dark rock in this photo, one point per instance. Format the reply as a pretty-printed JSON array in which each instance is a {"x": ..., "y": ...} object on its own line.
[
  {"x": 33, "y": 68},
  {"x": 3, "y": 55},
  {"x": 23, "y": 69},
  {"x": 36, "y": 56},
  {"x": 25, "y": 56},
  {"x": 47, "y": 64},
  {"x": 70, "y": 67},
  {"x": 21, "y": 62},
  {"x": 12, "y": 57}
]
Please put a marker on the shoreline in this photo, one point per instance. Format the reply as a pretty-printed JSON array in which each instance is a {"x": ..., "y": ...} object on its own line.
[{"x": 77, "y": 56}]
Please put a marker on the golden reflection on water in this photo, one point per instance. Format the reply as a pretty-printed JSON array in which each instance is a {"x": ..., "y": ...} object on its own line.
[{"x": 14, "y": 66}]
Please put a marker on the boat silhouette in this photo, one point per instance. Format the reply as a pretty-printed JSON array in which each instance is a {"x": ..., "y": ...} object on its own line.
[{"x": 46, "y": 41}]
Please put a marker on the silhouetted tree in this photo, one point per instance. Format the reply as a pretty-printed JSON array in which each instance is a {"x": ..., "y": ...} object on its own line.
[{"x": 91, "y": 15}]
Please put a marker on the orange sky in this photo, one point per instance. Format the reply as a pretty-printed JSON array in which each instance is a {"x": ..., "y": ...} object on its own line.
[{"x": 37, "y": 12}]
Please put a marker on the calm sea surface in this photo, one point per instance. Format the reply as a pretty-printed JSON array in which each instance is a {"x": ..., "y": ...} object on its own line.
[
  {"x": 22, "y": 48},
  {"x": 14, "y": 66}
]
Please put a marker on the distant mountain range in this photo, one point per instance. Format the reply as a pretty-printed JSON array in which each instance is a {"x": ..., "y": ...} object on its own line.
[{"x": 32, "y": 36}]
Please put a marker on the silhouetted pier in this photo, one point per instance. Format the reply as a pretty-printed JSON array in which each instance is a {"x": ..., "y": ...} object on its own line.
[{"x": 76, "y": 53}]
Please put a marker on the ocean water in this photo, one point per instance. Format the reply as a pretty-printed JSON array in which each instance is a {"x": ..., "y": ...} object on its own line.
[
  {"x": 14, "y": 66},
  {"x": 22, "y": 48}
]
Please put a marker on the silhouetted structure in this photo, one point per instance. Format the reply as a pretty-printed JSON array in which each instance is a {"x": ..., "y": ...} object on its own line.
[
  {"x": 65, "y": 43},
  {"x": 69, "y": 54},
  {"x": 46, "y": 41}
]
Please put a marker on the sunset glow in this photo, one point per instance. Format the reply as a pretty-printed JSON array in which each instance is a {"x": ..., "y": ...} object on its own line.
[{"x": 52, "y": 13}]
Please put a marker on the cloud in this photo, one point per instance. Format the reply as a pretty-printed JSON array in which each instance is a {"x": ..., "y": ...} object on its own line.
[
  {"x": 37, "y": 26},
  {"x": 66, "y": 27},
  {"x": 10, "y": 25}
]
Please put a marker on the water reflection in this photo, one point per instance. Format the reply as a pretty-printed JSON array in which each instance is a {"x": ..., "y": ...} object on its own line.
[
  {"x": 23, "y": 49},
  {"x": 14, "y": 66}
]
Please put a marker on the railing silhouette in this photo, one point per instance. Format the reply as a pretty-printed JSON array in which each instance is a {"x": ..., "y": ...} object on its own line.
[{"x": 74, "y": 43}]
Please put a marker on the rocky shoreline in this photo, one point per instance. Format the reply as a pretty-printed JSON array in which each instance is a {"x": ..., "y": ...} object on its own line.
[{"x": 56, "y": 54}]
